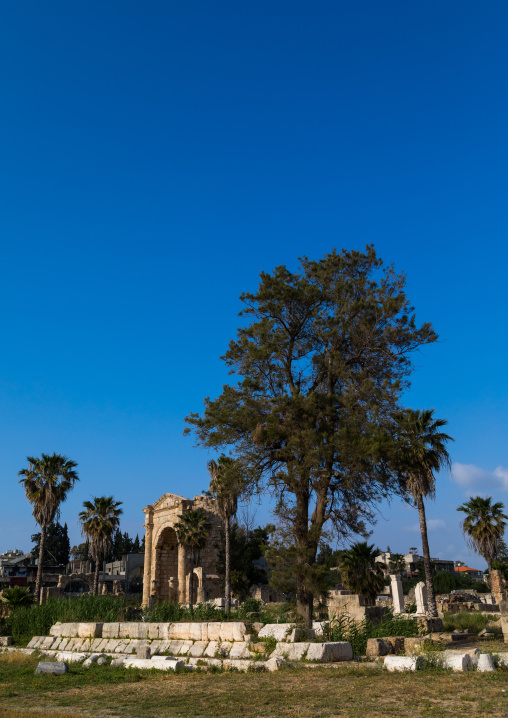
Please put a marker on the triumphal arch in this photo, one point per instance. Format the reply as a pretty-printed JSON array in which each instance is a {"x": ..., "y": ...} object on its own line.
[{"x": 167, "y": 567}]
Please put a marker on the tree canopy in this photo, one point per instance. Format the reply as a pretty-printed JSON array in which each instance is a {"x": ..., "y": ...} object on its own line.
[{"x": 320, "y": 364}]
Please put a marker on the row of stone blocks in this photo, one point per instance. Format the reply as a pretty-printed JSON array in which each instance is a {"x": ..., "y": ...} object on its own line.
[
  {"x": 236, "y": 650},
  {"x": 204, "y": 631}
]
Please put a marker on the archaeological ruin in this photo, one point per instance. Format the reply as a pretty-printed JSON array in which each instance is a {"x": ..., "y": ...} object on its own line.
[{"x": 167, "y": 567}]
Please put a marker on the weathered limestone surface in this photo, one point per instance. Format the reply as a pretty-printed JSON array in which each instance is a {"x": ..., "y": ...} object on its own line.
[
  {"x": 291, "y": 651},
  {"x": 414, "y": 645},
  {"x": 89, "y": 630},
  {"x": 402, "y": 663},
  {"x": 378, "y": 647},
  {"x": 421, "y": 598},
  {"x": 328, "y": 652},
  {"x": 457, "y": 661},
  {"x": 274, "y": 664},
  {"x": 110, "y": 630},
  {"x": 56, "y": 668},
  {"x": 6, "y": 641},
  {"x": 485, "y": 664},
  {"x": 184, "y": 648},
  {"x": 197, "y": 649},
  {"x": 279, "y": 631},
  {"x": 239, "y": 650},
  {"x": 70, "y": 657}
]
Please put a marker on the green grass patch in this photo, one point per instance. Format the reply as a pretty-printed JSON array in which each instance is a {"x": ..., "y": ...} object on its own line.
[{"x": 472, "y": 621}]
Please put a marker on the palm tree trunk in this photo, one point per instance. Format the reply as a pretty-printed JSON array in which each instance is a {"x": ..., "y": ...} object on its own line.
[
  {"x": 431, "y": 597},
  {"x": 227, "y": 581},
  {"x": 38, "y": 580},
  {"x": 96, "y": 577}
]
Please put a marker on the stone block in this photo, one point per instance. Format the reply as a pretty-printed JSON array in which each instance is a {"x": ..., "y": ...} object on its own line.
[
  {"x": 162, "y": 665},
  {"x": 275, "y": 664},
  {"x": 185, "y": 648},
  {"x": 126, "y": 629},
  {"x": 64, "y": 642},
  {"x": 90, "y": 630},
  {"x": 59, "y": 643},
  {"x": 56, "y": 629},
  {"x": 457, "y": 661},
  {"x": 6, "y": 641},
  {"x": 96, "y": 643},
  {"x": 377, "y": 647},
  {"x": 47, "y": 642},
  {"x": 179, "y": 631},
  {"x": 320, "y": 627},
  {"x": 213, "y": 631},
  {"x": 56, "y": 668},
  {"x": 414, "y": 645},
  {"x": 211, "y": 649},
  {"x": 239, "y": 650},
  {"x": 144, "y": 652},
  {"x": 70, "y": 657},
  {"x": 279, "y": 631},
  {"x": 139, "y": 630},
  {"x": 32, "y": 643},
  {"x": 196, "y": 631},
  {"x": 110, "y": 630},
  {"x": 240, "y": 665},
  {"x": 155, "y": 629},
  {"x": 102, "y": 645},
  {"x": 166, "y": 663},
  {"x": 291, "y": 651},
  {"x": 123, "y": 647},
  {"x": 38, "y": 642},
  {"x": 197, "y": 649},
  {"x": 397, "y": 644},
  {"x": 102, "y": 661},
  {"x": 233, "y": 631},
  {"x": 257, "y": 626},
  {"x": 117, "y": 662},
  {"x": 402, "y": 663},
  {"x": 330, "y": 652},
  {"x": 111, "y": 645},
  {"x": 174, "y": 647},
  {"x": 485, "y": 663},
  {"x": 163, "y": 647}
]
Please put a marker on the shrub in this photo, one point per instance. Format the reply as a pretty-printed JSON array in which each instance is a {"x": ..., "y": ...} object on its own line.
[
  {"x": 17, "y": 596},
  {"x": 474, "y": 622}
]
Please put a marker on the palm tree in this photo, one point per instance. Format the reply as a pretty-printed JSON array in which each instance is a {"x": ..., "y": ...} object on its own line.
[
  {"x": 226, "y": 486},
  {"x": 360, "y": 571},
  {"x": 47, "y": 482},
  {"x": 192, "y": 531},
  {"x": 422, "y": 452},
  {"x": 484, "y": 527},
  {"x": 99, "y": 521},
  {"x": 397, "y": 563}
]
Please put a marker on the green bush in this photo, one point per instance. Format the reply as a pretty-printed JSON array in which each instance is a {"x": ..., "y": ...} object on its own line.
[
  {"x": 17, "y": 596},
  {"x": 344, "y": 628},
  {"x": 444, "y": 582},
  {"x": 463, "y": 620}
]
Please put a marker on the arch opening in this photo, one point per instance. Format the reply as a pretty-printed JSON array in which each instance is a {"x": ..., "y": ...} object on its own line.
[{"x": 166, "y": 565}]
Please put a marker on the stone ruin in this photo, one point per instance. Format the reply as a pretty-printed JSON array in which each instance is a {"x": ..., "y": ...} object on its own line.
[{"x": 167, "y": 567}]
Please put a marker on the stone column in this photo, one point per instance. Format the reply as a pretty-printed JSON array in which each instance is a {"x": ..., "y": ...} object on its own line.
[
  {"x": 496, "y": 582},
  {"x": 182, "y": 561},
  {"x": 421, "y": 598},
  {"x": 397, "y": 593},
  {"x": 147, "y": 571}
]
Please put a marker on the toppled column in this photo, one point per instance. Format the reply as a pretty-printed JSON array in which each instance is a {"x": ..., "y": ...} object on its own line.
[{"x": 397, "y": 593}]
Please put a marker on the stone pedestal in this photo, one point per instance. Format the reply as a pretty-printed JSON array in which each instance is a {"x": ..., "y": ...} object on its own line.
[
  {"x": 421, "y": 598},
  {"x": 397, "y": 593}
]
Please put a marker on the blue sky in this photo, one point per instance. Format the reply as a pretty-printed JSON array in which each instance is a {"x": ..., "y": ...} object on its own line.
[{"x": 155, "y": 157}]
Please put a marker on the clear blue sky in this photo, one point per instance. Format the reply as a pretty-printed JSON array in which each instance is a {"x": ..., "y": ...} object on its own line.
[{"x": 156, "y": 156}]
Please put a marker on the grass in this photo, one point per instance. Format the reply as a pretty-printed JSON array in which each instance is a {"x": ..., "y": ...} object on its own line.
[
  {"x": 297, "y": 693},
  {"x": 474, "y": 622},
  {"x": 344, "y": 628}
]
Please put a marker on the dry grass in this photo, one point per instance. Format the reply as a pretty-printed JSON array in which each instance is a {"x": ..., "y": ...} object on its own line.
[{"x": 297, "y": 693}]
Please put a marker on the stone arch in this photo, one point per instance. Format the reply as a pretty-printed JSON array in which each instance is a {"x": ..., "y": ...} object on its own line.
[
  {"x": 65, "y": 581},
  {"x": 166, "y": 564}
]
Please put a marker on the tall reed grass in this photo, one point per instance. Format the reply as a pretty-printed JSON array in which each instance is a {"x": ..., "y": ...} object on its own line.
[{"x": 345, "y": 628}]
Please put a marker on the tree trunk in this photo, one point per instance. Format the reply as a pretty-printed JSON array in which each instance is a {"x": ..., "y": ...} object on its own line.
[
  {"x": 227, "y": 580},
  {"x": 431, "y": 597},
  {"x": 38, "y": 580},
  {"x": 304, "y": 597},
  {"x": 96, "y": 577}
]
